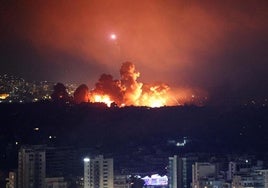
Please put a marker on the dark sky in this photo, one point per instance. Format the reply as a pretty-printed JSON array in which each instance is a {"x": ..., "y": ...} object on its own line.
[{"x": 217, "y": 46}]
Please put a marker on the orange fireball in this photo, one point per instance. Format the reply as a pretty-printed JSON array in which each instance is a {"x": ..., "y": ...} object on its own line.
[{"x": 128, "y": 91}]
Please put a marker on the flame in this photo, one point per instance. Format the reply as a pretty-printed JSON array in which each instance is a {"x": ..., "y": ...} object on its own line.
[
  {"x": 153, "y": 101},
  {"x": 156, "y": 97},
  {"x": 128, "y": 91},
  {"x": 101, "y": 98}
]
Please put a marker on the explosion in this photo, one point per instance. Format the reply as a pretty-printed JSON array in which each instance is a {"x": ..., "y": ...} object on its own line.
[{"x": 129, "y": 92}]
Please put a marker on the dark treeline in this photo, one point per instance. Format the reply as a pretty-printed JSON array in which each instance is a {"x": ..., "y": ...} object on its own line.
[{"x": 95, "y": 124}]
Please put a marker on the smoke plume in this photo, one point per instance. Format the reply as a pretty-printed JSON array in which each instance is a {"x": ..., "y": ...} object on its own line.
[{"x": 129, "y": 91}]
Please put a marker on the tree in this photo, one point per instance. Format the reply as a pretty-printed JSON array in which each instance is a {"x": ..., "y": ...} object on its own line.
[
  {"x": 60, "y": 94},
  {"x": 81, "y": 94}
]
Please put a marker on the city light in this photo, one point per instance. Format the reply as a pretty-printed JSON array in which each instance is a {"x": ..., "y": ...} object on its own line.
[
  {"x": 181, "y": 144},
  {"x": 86, "y": 159},
  {"x": 4, "y": 96},
  {"x": 156, "y": 179}
]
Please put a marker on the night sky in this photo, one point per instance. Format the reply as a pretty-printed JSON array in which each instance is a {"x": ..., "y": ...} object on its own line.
[{"x": 217, "y": 46}]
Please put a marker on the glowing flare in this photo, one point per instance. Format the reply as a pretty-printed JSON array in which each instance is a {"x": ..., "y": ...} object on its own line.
[{"x": 113, "y": 36}]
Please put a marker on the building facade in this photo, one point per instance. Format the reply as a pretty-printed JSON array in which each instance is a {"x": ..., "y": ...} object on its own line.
[
  {"x": 56, "y": 182},
  {"x": 31, "y": 167},
  {"x": 98, "y": 172},
  {"x": 203, "y": 174},
  {"x": 180, "y": 171},
  {"x": 121, "y": 181}
]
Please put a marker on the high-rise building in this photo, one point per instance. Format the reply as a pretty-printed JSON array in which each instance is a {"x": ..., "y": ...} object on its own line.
[
  {"x": 31, "y": 167},
  {"x": 98, "y": 172},
  {"x": 62, "y": 162},
  {"x": 204, "y": 174},
  {"x": 231, "y": 170},
  {"x": 180, "y": 171},
  {"x": 121, "y": 181},
  {"x": 249, "y": 179},
  {"x": 264, "y": 173}
]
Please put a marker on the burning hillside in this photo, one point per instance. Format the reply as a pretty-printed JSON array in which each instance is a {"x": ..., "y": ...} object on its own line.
[{"x": 128, "y": 91}]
